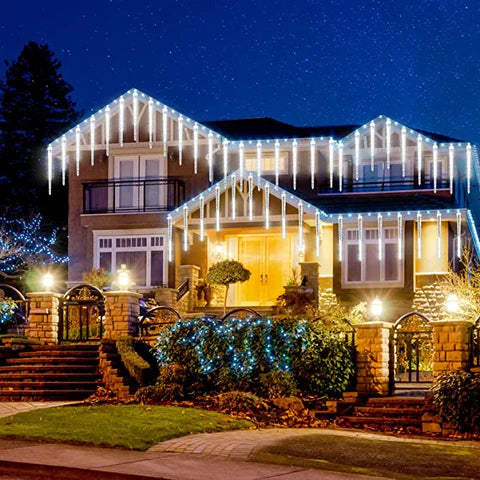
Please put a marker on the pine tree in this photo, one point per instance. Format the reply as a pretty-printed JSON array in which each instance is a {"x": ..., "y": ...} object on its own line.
[{"x": 35, "y": 108}]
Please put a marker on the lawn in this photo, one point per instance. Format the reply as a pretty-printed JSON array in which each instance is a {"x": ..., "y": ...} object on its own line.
[
  {"x": 126, "y": 426},
  {"x": 395, "y": 459}
]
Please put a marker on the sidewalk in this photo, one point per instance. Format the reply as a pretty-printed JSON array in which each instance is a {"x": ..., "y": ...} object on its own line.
[{"x": 11, "y": 408}]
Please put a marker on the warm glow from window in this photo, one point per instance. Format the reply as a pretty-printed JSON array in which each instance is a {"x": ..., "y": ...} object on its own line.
[{"x": 268, "y": 162}]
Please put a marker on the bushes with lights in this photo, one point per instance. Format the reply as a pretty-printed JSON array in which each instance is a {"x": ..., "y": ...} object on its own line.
[{"x": 236, "y": 354}]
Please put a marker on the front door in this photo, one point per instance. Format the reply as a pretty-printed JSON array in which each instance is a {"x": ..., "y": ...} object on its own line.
[{"x": 269, "y": 259}]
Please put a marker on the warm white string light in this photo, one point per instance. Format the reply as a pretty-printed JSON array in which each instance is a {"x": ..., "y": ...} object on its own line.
[
  {"x": 234, "y": 195},
  {"x": 435, "y": 167},
  {"x": 267, "y": 206},
  {"x": 259, "y": 163},
  {"x": 195, "y": 148},
  {"x": 202, "y": 217},
  {"x": 340, "y": 238},
  {"x": 400, "y": 235},
  {"x": 419, "y": 158},
  {"x": 419, "y": 235},
  {"x": 77, "y": 150},
  {"x": 165, "y": 131},
  {"x": 284, "y": 215},
  {"x": 170, "y": 239},
  {"x": 331, "y": 145},
  {"x": 360, "y": 237},
  {"x": 372, "y": 145},
  {"x": 210, "y": 157},
  {"x": 459, "y": 234},
  {"x": 301, "y": 247},
  {"x": 318, "y": 233},
  {"x": 121, "y": 120},
  {"x": 135, "y": 115},
  {"x": 180, "y": 139},
  {"x": 64, "y": 158},
  {"x": 469, "y": 167},
  {"x": 185, "y": 228},
  {"x": 439, "y": 235},
  {"x": 92, "y": 139},
  {"x": 217, "y": 208},
  {"x": 380, "y": 235},
  {"x": 241, "y": 163},
  {"x": 49, "y": 168},
  {"x": 225, "y": 158},
  {"x": 451, "y": 159},
  {"x": 107, "y": 130},
  {"x": 388, "y": 134},
  {"x": 357, "y": 154},
  {"x": 403, "y": 140},
  {"x": 340, "y": 166},
  {"x": 277, "y": 160},
  {"x": 250, "y": 197},
  {"x": 294, "y": 161},
  {"x": 150, "y": 122},
  {"x": 312, "y": 163}
]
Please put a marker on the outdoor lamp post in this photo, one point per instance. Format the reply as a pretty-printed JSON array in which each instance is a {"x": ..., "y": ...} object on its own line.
[
  {"x": 48, "y": 281},
  {"x": 376, "y": 308},
  {"x": 123, "y": 277},
  {"x": 452, "y": 304}
]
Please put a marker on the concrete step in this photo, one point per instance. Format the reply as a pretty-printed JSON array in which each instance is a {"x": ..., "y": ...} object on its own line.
[
  {"x": 47, "y": 385},
  {"x": 42, "y": 395},
  {"x": 389, "y": 411},
  {"x": 67, "y": 347},
  {"x": 72, "y": 368},
  {"x": 52, "y": 361},
  {"x": 59, "y": 354},
  {"x": 384, "y": 421},
  {"x": 33, "y": 376}
]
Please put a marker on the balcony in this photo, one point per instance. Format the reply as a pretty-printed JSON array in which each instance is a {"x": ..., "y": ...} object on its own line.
[{"x": 125, "y": 196}]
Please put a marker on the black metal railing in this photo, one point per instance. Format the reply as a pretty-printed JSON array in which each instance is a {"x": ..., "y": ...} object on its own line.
[
  {"x": 183, "y": 289},
  {"x": 147, "y": 195},
  {"x": 475, "y": 344}
]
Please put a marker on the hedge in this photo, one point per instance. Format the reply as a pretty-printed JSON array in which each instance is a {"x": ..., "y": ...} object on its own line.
[{"x": 137, "y": 367}]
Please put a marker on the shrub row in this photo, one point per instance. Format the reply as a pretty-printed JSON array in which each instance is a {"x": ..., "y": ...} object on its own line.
[{"x": 137, "y": 367}]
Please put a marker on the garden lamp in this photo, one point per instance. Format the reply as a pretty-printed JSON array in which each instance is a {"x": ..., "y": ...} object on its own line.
[
  {"x": 376, "y": 308},
  {"x": 452, "y": 304},
  {"x": 48, "y": 281},
  {"x": 123, "y": 279}
]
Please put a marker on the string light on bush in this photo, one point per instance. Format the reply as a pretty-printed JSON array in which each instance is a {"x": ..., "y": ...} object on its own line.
[
  {"x": 267, "y": 206},
  {"x": 165, "y": 131},
  {"x": 388, "y": 133},
  {"x": 121, "y": 120},
  {"x": 185, "y": 228},
  {"x": 277, "y": 161},
  {"x": 259, "y": 162},
  {"x": 135, "y": 115},
  {"x": 202, "y": 217},
  {"x": 107, "y": 130},
  {"x": 234, "y": 191},
  {"x": 340, "y": 166},
  {"x": 419, "y": 235},
  {"x": 469, "y": 167},
  {"x": 318, "y": 233},
  {"x": 250, "y": 197},
  {"x": 300, "y": 227},
  {"x": 451, "y": 159},
  {"x": 180, "y": 139},
  {"x": 150, "y": 122},
  {"x": 360, "y": 236},
  {"x": 225, "y": 158},
  {"x": 331, "y": 145},
  {"x": 170, "y": 239},
  {"x": 49, "y": 168},
  {"x": 380, "y": 235},
  {"x": 77, "y": 150},
  {"x": 217, "y": 208},
  {"x": 210, "y": 157},
  {"x": 403, "y": 153},
  {"x": 92, "y": 140},
  {"x": 64, "y": 158},
  {"x": 439, "y": 235},
  {"x": 340, "y": 238},
  {"x": 435, "y": 167},
  {"x": 294, "y": 161},
  {"x": 400, "y": 235},
  {"x": 312, "y": 163},
  {"x": 357, "y": 154},
  {"x": 459, "y": 234},
  {"x": 284, "y": 215},
  {"x": 372, "y": 145},
  {"x": 195, "y": 148},
  {"x": 419, "y": 158}
]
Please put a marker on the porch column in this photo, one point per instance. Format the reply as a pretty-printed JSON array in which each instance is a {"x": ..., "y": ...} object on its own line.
[
  {"x": 310, "y": 271},
  {"x": 190, "y": 272},
  {"x": 373, "y": 355},
  {"x": 43, "y": 317},
  {"x": 451, "y": 342},
  {"x": 121, "y": 313}
]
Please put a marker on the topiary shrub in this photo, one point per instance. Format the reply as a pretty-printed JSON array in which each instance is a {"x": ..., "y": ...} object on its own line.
[
  {"x": 138, "y": 368},
  {"x": 277, "y": 383},
  {"x": 456, "y": 398},
  {"x": 237, "y": 401}
]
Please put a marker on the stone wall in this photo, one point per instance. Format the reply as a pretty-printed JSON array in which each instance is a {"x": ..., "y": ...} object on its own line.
[
  {"x": 121, "y": 313},
  {"x": 44, "y": 317},
  {"x": 190, "y": 273}
]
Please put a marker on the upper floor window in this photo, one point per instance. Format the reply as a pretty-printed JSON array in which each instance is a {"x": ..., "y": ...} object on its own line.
[
  {"x": 268, "y": 162},
  {"x": 379, "y": 262}
]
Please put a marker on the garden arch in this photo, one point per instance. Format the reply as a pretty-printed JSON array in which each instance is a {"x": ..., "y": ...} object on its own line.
[{"x": 411, "y": 353}]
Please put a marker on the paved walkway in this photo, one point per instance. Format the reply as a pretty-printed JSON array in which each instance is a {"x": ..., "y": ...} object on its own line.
[{"x": 11, "y": 408}]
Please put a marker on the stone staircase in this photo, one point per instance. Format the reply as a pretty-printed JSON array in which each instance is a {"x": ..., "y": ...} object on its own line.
[
  {"x": 387, "y": 414},
  {"x": 51, "y": 372}
]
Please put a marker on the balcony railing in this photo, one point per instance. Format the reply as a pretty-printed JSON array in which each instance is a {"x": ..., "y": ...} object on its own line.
[{"x": 122, "y": 196}]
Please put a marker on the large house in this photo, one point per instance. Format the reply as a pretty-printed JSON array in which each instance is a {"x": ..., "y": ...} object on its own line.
[{"x": 379, "y": 209}]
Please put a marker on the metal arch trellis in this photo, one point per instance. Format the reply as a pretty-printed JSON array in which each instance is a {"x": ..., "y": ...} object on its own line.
[
  {"x": 20, "y": 313},
  {"x": 475, "y": 344},
  {"x": 241, "y": 313},
  {"x": 82, "y": 313},
  {"x": 411, "y": 351},
  {"x": 152, "y": 322}
]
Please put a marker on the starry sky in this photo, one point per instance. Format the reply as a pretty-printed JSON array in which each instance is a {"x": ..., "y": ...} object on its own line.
[{"x": 304, "y": 62}]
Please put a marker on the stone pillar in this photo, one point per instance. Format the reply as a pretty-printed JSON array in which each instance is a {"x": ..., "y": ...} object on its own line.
[
  {"x": 310, "y": 270},
  {"x": 43, "y": 317},
  {"x": 373, "y": 356},
  {"x": 451, "y": 342},
  {"x": 121, "y": 314},
  {"x": 192, "y": 273},
  {"x": 166, "y": 297}
]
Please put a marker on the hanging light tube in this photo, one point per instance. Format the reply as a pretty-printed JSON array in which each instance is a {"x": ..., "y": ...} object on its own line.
[
  {"x": 250, "y": 197},
  {"x": 357, "y": 154},
  {"x": 185, "y": 228},
  {"x": 210, "y": 157},
  {"x": 400, "y": 235},
  {"x": 107, "y": 130},
  {"x": 403, "y": 138},
  {"x": 388, "y": 133},
  {"x": 135, "y": 115},
  {"x": 451, "y": 160},
  {"x": 439, "y": 235},
  {"x": 284, "y": 215},
  {"x": 64, "y": 158},
  {"x": 277, "y": 160},
  {"x": 340, "y": 165},
  {"x": 469, "y": 167},
  {"x": 372, "y": 145},
  {"x": 419, "y": 235},
  {"x": 331, "y": 144},
  {"x": 312, "y": 163},
  {"x": 77, "y": 150},
  {"x": 165, "y": 130},
  {"x": 234, "y": 194},
  {"x": 170, "y": 239},
  {"x": 360, "y": 237},
  {"x": 217, "y": 208},
  {"x": 419, "y": 158},
  {"x": 318, "y": 233},
  {"x": 180, "y": 139},
  {"x": 380, "y": 236},
  {"x": 267, "y": 206},
  {"x": 121, "y": 120},
  {"x": 459, "y": 234},
  {"x": 225, "y": 158},
  {"x": 92, "y": 140},
  {"x": 195, "y": 148},
  {"x": 435, "y": 167},
  {"x": 49, "y": 168},
  {"x": 202, "y": 217},
  {"x": 259, "y": 162},
  {"x": 300, "y": 227},
  {"x": 150, "y": 122},
  {"x": 295, "y": 162},
  {"x": 340, "y": 238},
  {"x": 241, "y": 163}
]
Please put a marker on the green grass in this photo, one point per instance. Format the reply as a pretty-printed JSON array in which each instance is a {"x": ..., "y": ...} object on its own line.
[
  {"x": 126, "y": 426},
  {"x": 401, "y": 460}
]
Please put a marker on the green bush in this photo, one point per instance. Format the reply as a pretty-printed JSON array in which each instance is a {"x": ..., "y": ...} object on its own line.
[
  {"x": 276, "y": 383},
  {"x": 139, "y": 369},
  {"x": 237, "y": 401},
  {"x": 170, "y": 386},
  {"x": 456, "y": 398},
  {"x": 234, "y": 354}
]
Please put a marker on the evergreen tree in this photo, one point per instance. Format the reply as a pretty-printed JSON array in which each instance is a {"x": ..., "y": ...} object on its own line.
[{"x": 35, "y": 108}]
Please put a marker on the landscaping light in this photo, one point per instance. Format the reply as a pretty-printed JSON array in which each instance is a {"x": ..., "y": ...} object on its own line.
[
  {"x": 48, "y": 281},
  {"x": 452, "y": 304},
  {"x": 123, "y": 279},
  {"x": 376, "y": 308}
]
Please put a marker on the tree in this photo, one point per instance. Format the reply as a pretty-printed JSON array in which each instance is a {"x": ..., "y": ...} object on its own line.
[
  {"x": 226, "y": 273},
  {"x": 35, "y": 108},
  {"x": 23, "y": 247}
]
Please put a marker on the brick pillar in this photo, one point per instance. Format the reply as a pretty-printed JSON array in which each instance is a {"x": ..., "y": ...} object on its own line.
[
  {"x": 43, "y": 317},
  {"x": 121, "y": 313},
  {"x": 192, "y": 273},
  {"x": 373, "y": 355},
  {"x": 310, "y": 270},
  {"x": 451, "y": 342},
  {"x": 166, "y": 296}
]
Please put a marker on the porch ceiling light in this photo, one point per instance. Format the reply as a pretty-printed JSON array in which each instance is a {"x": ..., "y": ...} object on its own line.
[
  {"x": 376, "y": 308},
  {"x": 452, "y": 304},
  {"x": 48, "y": 281}
]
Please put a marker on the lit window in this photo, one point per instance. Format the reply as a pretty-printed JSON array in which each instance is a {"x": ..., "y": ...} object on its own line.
[{"x": 268, "y": 162}]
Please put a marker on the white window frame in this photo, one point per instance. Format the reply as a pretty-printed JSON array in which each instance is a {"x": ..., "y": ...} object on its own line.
[
  {"x": 363, "y": 282},
  {"x": 136, "y": 233}
]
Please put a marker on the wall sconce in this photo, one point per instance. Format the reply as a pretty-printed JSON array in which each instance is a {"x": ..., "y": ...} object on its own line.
[
  {"x": 452, "y": 304},
  {"x": 376, "y": 308}
]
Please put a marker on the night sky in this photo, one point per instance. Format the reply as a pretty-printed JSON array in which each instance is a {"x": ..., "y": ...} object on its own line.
[{"x": 303, "y": 62}]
